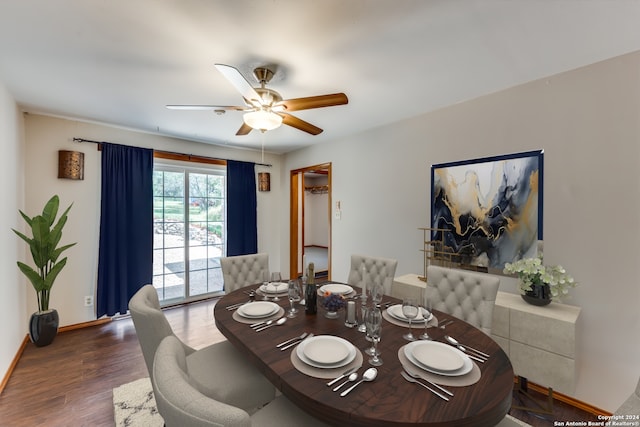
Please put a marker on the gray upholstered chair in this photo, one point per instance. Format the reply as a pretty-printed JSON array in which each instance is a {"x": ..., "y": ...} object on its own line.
[
  {"x": 243, "y": 270},
  {"x": 181, "y": 404},
  {"x": 467, "y": 295},
  {"x": 219, "y": 370},
  {"x": 631, "y": 406},
  {"x": 378, "y": 270}
]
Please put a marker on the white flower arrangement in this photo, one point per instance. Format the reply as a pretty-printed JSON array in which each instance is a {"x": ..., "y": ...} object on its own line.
[{"x": 531, "y": 271}]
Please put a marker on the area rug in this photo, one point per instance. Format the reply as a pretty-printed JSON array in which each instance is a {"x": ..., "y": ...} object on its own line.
[{"x": 135, "y": 406}]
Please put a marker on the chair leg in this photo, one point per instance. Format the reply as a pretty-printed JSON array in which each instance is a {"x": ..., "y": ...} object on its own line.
[{"x": 522, "y": 388}]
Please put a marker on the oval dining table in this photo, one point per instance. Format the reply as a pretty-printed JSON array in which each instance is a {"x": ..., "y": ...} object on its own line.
[{"x": 387, "y": 401}]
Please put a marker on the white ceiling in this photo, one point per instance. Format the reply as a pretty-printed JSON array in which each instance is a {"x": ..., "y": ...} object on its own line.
[{"x": 120, "y": 62}]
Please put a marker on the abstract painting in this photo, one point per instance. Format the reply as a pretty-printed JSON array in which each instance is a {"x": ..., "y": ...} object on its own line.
[{"x": 491, "y": 208}]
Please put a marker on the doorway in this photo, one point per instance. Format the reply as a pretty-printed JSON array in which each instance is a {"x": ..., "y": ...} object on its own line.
[{"x": 310, "y": 222}]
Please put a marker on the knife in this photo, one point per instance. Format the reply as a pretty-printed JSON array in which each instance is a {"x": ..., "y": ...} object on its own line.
[
  {"x": 295, "y": 343},
  {"x": 301, "y": 337},
  {"x": 347, "y": 372}
]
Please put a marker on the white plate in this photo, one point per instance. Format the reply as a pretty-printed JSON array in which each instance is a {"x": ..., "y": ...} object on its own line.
[
  {"x": 274, "y": 288},
  {"x": 336, "y": 288},
  {"x": 258, "y": 309},
  {"x": 441, "y": 348},
  {"x": 326, "y": 351},
  {"x": 395, "y": 311}
]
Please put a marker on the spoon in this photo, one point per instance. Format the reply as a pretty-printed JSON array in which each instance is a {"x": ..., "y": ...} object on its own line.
[
  {"x": 369, "y": 375},
  {"x": 351, "y": 378},
  {"x": 481, "y": 356},
  {"x": 280, "y": 321}
]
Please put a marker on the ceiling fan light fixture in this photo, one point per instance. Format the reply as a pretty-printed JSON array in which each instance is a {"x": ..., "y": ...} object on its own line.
[{"x": 262, "y": 120}]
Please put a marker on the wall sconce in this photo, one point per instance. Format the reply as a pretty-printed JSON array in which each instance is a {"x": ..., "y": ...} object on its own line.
[
  {"x": 264, "y": 181},
  {"x": 70, "y": 164}
]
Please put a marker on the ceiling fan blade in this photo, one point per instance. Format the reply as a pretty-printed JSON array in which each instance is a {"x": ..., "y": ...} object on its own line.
[
  {"x": 244, "y": 129},
  {"x": 207, "y": 107},
  {"x": 239, "y": 82},
  {"x": 297, "y": 123},
  {"x": 297, "y": 104}
]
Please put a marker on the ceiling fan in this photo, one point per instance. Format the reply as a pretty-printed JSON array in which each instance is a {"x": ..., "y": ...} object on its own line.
[{"x": 264, "y": 108}]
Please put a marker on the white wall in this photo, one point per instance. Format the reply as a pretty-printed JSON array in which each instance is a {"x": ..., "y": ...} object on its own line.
[
  {"x": 588, "y": 123},
  {"x": 46, "y": 135},
  {"x": 13, "y": 313}
]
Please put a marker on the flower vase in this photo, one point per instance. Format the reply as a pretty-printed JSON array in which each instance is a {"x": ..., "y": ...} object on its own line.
[{"x": 538, "y": 295}]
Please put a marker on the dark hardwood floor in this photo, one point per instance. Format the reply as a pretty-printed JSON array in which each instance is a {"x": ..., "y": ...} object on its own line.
[{"x": 70, "y": 382}]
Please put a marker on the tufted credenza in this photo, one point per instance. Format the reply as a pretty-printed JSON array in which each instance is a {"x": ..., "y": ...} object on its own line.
[{"x": 540, "y": 341}]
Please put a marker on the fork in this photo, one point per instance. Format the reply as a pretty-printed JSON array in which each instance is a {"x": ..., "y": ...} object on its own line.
[{"x": 413, "y": 380}]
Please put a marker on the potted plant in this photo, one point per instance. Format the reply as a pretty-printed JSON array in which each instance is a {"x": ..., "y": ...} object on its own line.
[
  {"x": 43, "y": 243},
  {"x": 540, "y": 283}
]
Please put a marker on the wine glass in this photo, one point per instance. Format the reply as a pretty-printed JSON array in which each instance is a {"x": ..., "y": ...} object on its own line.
[
  {"x": 428, "y": 307},
  {"x": 373, "y": 320},
  {"x": 276, "y": 278},
  {"x": 293, "y": 292},
  {"x": 363, "y": 309},
  {"x": 265, "y": 282},
  {"x": 410, "y": 311},
  {"x": 377, "y": 291}
]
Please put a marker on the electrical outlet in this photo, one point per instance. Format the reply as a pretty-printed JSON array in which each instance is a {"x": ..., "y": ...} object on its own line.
[{"x": 88, "y": 301}]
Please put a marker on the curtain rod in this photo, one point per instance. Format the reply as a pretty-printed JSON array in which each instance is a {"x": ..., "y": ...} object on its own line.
[{"x": 174, "y": 153}]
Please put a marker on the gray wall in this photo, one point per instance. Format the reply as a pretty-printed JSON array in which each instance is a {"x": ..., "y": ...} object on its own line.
[{"x": 588, "y": 123}]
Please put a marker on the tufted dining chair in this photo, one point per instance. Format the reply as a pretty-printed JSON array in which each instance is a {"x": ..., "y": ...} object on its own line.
[
  {"x": 243, "y": 270},
  {"x": 219, "y": 370},
  {"x": 378, "y": 270},
  {"x": 181, "y": 404},
  {"x": 467, "y": 295}
]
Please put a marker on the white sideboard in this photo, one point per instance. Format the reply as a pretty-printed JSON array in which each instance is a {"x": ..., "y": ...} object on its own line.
[{"x": 540, "y": 341}]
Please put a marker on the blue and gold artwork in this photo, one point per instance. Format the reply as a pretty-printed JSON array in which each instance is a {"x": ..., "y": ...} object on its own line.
[{"x": 491, "y": 207}]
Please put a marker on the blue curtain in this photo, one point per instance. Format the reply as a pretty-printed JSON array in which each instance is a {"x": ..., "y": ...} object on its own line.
[
  {"x": 242, "y": 229},
  {"x": 125, "y": 259}
]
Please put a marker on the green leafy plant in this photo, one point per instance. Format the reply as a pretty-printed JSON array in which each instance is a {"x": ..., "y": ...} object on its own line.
[
  {"x": 531, "y": 271},
  {"x": 44, "y": 249}
]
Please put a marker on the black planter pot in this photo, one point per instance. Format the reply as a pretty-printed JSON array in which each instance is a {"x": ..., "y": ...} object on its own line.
[
  {"x": 538, "y": 295},
  {"x": 43, "y": 327}
]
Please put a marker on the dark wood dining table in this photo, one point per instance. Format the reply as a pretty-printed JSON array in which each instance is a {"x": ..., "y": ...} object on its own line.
[{"x": 387, "y": 401}]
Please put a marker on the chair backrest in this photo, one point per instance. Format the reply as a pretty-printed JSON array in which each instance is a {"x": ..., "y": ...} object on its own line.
[
  {"x": 243, "y": 270},
  {"x": 179, "y": 403},
  {"x": 378, "y": 270},
  {"x": 464, "y": 294},
  {"x": 150, "y": 323}
]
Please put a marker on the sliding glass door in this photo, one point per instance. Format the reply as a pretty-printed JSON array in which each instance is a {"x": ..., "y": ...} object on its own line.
[{"x": 189, "y": 231}]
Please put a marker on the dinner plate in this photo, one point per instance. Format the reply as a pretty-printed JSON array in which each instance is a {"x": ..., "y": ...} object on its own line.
[
  {"x": 326, "y": 351},
  {"x": 395, "y": 311},
  {"x": 274, "y": 287},
  {"x": 336, "y": 288},
  {"x": 435, "y": 354},
  {"x": 258, "y": 309}
]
